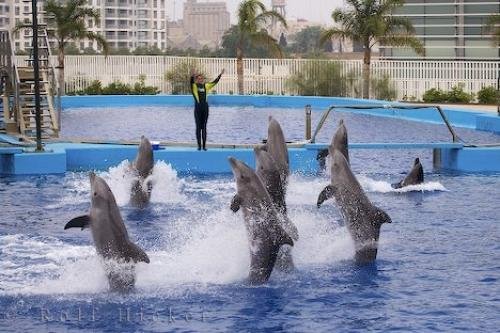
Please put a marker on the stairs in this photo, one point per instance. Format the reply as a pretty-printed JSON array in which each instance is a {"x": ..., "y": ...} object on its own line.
[{"x": 26, "y": 93}]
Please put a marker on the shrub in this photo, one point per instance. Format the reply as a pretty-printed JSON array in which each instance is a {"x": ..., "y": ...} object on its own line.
[
  {"x": 117, "y": 88},
  {"x": 434, "y": 96},
  {"x": 95, "y": 88},
  {"x": 140, "y": 88},
  {"x": 455, "y": 95},
  {"x": 319, "y": 78},
  {"x": 179, "y": 76},
  {"x": 458, "y": 95},
  {"x": 488, "y": 95}
]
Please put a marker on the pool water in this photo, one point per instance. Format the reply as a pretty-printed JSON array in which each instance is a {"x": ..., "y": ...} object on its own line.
[
  {"x": 438, "y": 267},
  {"x": 247, "y": 125}
]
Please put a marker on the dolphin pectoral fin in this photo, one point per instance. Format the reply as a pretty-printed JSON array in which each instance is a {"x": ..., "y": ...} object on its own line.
[
  {"x": 136, "y": 253},
  {"x": 236, "y": 203},
  {"x": 326, "y": 194},
  {"x": 285, "y": 238},
  {"x": 291, "y": 228},
  {"x": 78, "y": 222}
]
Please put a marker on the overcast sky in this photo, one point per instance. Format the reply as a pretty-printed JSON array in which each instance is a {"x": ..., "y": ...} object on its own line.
[{"x": 312, "y": 10}]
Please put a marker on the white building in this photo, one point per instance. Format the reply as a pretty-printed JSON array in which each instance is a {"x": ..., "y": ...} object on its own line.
[{"x": 124, "y": 23}]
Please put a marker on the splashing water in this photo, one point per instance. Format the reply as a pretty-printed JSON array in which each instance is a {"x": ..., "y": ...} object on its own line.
[
  {"x": 371, "y": 185},
  {"x": 207, "y": 245}
]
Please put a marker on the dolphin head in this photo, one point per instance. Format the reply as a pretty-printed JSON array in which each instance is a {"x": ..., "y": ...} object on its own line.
[
  {"x": 339, "y": 140},
  {"x": 276, "y": 145},
  {"x": 248, "y": 183},
  {"x": 99, "y": 191},
  {"x": 144, "y": 161},
  {"x": 417, "y": 161}
]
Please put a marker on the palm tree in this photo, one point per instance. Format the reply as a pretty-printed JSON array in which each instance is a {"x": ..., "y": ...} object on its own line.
[
  {"x": 493, "y": 25},
  {"x": 253, "y": 17},
  {"x": 67, "y": 23},
  {"x": 369, "y": 22}
]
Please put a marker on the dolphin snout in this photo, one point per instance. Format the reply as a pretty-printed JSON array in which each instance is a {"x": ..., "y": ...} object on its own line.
[
  {"x": 233, "y": 162},
  {"x": 92, "y": 176}
]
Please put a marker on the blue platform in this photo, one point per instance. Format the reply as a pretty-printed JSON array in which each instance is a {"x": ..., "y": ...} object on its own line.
[{"x": 62, "y": 157}]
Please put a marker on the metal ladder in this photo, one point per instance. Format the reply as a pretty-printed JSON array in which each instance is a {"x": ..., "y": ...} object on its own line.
[{"x": 48, "y": 87}]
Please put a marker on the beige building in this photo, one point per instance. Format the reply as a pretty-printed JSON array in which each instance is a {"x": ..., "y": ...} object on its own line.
[{"x": 205, "y": 21}]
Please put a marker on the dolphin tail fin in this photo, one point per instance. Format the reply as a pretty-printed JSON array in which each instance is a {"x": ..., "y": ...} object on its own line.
[
  {"x": 78, "y": 222},
  {"x": 326, "y": 194},
  {"x": 136, "y": 253}
]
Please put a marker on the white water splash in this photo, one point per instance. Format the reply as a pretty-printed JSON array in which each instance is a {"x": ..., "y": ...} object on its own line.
[{"x": 371, "y": 185}]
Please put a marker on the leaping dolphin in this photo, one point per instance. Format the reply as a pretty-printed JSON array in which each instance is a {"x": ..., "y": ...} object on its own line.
[
  {"x": 110, "y": 236},
  {"x": 363, "y": 219},
  {"x": 143, "y": 167},
  {"x": 414, "y": 177},
  {"x": 272, "y": 166},
  {"x": 265, "y": 232}
]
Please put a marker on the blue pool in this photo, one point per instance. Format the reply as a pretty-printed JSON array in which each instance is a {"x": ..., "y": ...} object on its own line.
[{"x": 438, "y": 267}]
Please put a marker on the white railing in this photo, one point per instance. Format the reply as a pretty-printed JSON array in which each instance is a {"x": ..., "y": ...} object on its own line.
[{"x": 410, "y": 78}]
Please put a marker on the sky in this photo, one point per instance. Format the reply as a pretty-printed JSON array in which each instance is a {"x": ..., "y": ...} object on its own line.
[{"x": 312, "y": 10}]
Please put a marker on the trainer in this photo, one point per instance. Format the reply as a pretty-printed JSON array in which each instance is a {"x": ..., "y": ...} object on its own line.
[{"x": 200, "y": 89}]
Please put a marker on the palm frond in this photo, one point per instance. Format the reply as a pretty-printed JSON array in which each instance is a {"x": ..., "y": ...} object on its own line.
[
  {"x": 334, "y": 32},
  {"x": 404, "y": 40},
  {"x": 263, "y": 18}
]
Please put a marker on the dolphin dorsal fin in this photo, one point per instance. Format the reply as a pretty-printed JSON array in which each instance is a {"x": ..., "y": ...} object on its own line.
[{"x": 78, "y": 222}]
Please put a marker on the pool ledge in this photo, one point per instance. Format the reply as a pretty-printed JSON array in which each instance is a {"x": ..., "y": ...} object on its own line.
[{"x": 62, "y": 157}]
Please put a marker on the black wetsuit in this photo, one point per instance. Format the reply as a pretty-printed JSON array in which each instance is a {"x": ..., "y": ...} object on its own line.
[{"x": 199, "y": 92}]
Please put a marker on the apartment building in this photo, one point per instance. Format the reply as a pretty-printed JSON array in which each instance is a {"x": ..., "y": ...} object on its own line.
[
  {"x": 4, "y": 14},
  {"x": 449, "y": 29},
  {"x": 205, "y": 21},
  {"x": 124, "y": 23}
]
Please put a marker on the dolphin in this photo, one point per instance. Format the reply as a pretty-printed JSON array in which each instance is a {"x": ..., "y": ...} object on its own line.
[
  {"x": 265, "y": 233},
  {"x": 276, "y": 146},
  {"x": 414, "y": 177},
  {"x": 275, "y": 184},
  {"x": 363, "y": 219},
  {"x": 110, "y": 236},
  {"x": 278, "y": 155},
  {"x": 143, "y": 167},
  {"x": 339, "y": 142}
]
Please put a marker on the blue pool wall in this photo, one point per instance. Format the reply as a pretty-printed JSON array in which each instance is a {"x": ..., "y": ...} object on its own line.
[{"x": 62, "y": 157}]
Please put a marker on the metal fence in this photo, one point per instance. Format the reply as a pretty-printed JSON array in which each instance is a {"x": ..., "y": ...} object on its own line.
[{"x": 410, "y": 78}]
